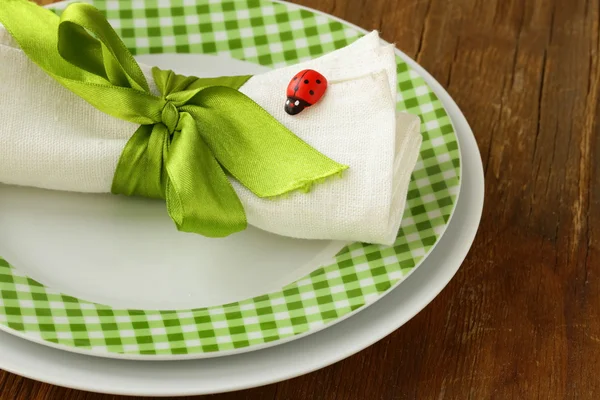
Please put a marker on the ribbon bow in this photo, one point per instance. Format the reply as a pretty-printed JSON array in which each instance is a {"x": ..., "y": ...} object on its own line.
[{"x": 190, "y": 137}]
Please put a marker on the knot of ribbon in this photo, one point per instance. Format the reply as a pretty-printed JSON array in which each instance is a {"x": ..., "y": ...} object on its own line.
[
  {"x": 193, "y": 137},
  {"x": 170, "y": 116}
]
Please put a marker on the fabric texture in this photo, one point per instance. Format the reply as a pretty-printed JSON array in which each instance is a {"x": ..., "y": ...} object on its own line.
[{"x": 50, "y": 138}]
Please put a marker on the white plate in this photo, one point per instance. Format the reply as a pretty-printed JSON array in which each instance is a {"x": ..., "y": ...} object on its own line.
[{"x": 288, "y": 360}]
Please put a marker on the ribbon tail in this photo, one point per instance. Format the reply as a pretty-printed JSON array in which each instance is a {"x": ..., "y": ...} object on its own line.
[
  {"x": 199, "y": 196},
  {"x": 255, "y": 148},
  {"x": 139, "y": 171}
]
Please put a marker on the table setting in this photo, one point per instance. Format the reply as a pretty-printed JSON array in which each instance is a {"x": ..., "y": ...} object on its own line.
[{"x": 270, "y": 199}]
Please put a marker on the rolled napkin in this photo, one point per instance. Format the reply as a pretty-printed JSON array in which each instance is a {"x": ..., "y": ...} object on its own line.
[{"x": 51, "y": 138}]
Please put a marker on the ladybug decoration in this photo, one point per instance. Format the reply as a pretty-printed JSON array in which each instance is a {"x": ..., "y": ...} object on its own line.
[{"x": 305, "y": 89}]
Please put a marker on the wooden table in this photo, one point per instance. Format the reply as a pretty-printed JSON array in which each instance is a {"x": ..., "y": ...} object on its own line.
[{"x": 521, "y": 319}]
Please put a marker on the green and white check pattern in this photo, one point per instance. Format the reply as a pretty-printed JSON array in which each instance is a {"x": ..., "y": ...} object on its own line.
[{"x": 271, "y": 34}]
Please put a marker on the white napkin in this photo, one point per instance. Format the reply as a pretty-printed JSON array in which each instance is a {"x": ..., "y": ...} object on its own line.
[{"x": 52, "y": 139}]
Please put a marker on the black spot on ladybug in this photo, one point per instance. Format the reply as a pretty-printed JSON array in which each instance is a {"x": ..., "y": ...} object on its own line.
[
  {"x": 295, "y": 78},
  {"x": 306, "y": 81},
  {"x": 311, "y": 92},
  {"x": 318, "y": 81}
]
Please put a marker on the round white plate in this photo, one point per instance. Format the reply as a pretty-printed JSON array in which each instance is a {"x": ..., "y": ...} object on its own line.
[{"x": 272, "y": 365}]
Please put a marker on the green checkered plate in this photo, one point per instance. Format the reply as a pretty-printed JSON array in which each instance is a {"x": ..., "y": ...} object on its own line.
[{"x": 269, "y": 34}]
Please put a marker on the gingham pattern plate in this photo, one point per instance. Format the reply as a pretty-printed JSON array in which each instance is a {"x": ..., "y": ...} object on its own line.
[{"x": 271, "y": 34}]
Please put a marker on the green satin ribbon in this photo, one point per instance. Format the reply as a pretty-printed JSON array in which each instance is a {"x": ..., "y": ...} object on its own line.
[{"x": 190, "y": 136}]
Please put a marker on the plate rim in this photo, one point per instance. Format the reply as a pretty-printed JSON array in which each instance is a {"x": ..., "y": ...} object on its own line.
[{"x": 266, "y": 345}]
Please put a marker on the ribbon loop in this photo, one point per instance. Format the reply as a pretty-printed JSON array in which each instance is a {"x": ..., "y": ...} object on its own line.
[{"x": 107, "y": 57}]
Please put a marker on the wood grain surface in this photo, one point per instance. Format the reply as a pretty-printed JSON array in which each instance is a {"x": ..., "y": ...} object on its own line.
[{"x": 521, "y": 319}]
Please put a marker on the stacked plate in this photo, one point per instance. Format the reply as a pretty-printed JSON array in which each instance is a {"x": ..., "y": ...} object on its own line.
[{"x": 76, "y": 284}]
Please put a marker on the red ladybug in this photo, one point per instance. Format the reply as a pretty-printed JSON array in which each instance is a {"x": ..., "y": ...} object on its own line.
[{"x": 305, "y": 89}]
